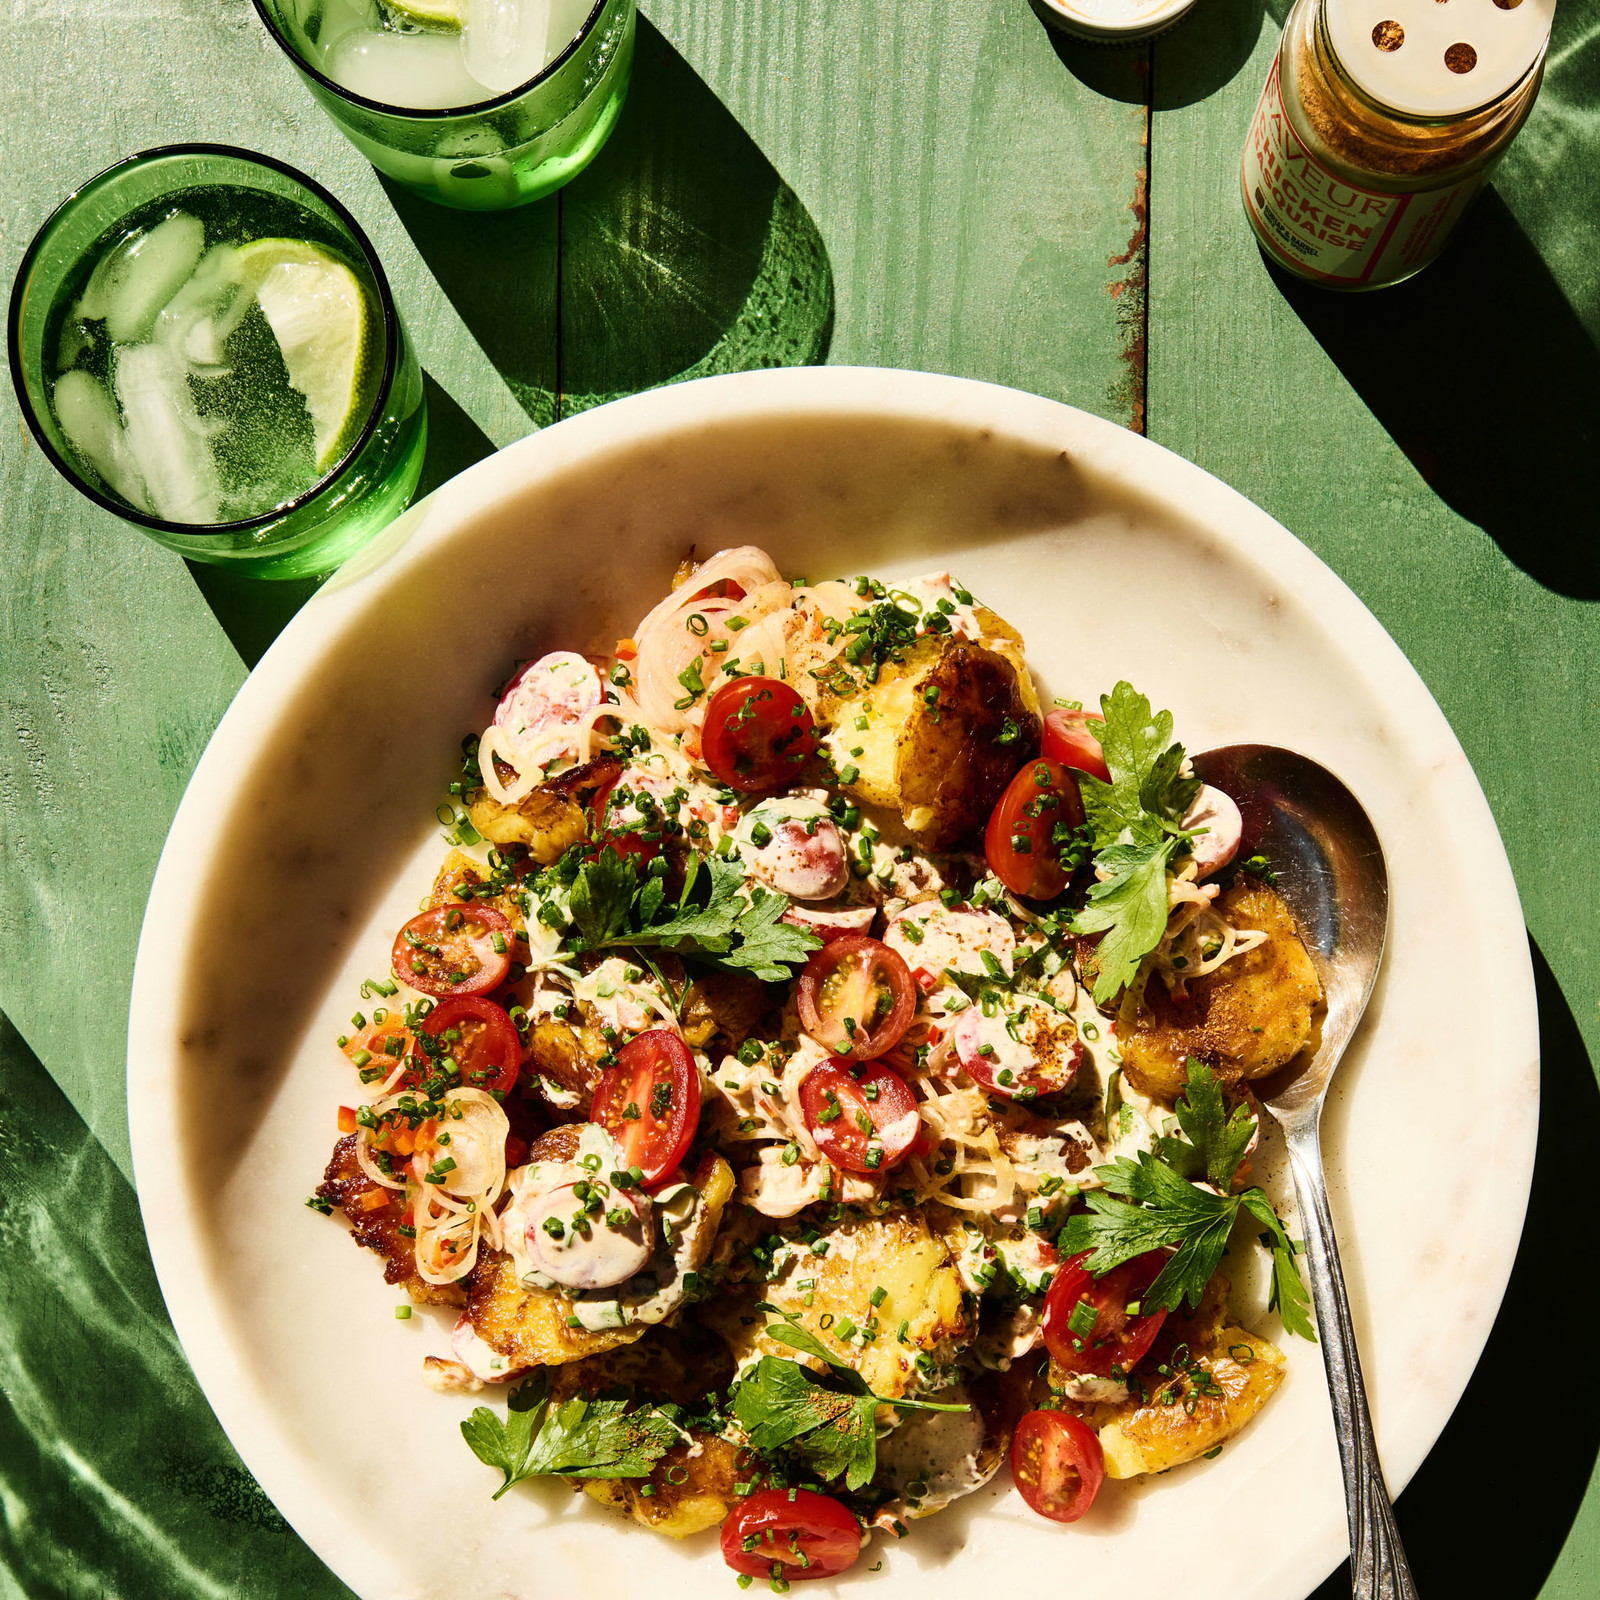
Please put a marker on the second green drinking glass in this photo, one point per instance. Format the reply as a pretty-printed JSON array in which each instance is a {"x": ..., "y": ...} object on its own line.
[{"x": 477, "y": 104}]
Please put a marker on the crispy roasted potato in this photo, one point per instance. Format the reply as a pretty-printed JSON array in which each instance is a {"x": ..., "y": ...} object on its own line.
[
  {"x": 1148, "y": 1436},
  {"x": 1245, "y": 1020},
  {"x": 529, "y": 1324},
  {"x": 692, "y": 1488},
  {"x": 460, "y": 870},
  {"x": 550, "y": 819},
  {"x": 727, "y": 1003},
  {"x": 946, "y": 728},
  {"x": 680, "y": 1364},
  {"x": 567, "y": 1056},
  {"x": 896, "y": 1253},
  {"x": 374, "y": 1214}
]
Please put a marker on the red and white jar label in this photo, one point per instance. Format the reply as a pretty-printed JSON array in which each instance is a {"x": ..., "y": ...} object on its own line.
[{"x": 1325, "y": 227}]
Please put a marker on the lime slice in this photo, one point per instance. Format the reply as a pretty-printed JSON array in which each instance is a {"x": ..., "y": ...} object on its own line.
[
  {"x": 444, "y": 16},
  {"x": 319, "y": 313}
]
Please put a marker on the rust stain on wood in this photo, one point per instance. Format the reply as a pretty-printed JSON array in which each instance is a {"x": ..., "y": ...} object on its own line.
[{"x": 1131, "y": 294}]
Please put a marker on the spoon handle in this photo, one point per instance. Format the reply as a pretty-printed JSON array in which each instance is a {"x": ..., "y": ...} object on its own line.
[{"x": 1378, "y": 1566}]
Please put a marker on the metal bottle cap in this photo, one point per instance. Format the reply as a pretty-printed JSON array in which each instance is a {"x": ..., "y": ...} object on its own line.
[{"x": 1437, "y": 58}]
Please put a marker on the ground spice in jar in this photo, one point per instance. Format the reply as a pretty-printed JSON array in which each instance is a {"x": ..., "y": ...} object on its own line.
[{"x": 1380, "y": 121}]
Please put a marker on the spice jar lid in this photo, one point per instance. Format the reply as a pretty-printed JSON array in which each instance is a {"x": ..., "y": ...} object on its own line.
[
  {"x": 1437, "y": 58},
  {"x": 1116, "y": 21}
]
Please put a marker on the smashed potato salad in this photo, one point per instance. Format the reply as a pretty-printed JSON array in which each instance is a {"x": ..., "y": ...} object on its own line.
[{"x": 821, "y": 1071}]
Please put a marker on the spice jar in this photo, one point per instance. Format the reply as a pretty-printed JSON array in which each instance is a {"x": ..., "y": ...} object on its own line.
[{"x": 1380, "y": 120}]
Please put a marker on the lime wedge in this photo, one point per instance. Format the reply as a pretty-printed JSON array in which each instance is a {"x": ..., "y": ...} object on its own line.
[
  {"x": 444, "y": 16},
  {"x": 319, "y": 313}
]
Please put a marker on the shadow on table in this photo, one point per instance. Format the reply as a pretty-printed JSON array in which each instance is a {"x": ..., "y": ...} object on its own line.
[
  {"x": 118, "y": 1480},
  {"x": 253, "y": 612},
  {"x": 1487, "y": 379},
  {"x": 677, "y": 254},
  {"x": 1204, "y": 52},
  {"x": 1469, "y": 1474},
  {"x": 1207, "y": 51}
]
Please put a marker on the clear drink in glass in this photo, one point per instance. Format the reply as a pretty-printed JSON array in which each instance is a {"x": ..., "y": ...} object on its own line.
[
  {"x": 204, "y": 343},
  {"x": 477, "y": 104}
]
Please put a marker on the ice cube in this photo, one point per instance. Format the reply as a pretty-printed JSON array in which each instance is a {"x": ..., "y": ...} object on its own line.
[
  {"x": 201, "y": 315},
  {"x": 169, "y": 440},
  {"x": 139, "y": 275},
  {"x": 506, "y": 42},
  {"x": 93, "y": 428},
  {"x": 423, "y": 71}
]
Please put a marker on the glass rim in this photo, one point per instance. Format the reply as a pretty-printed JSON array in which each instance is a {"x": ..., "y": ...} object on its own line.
[
  {"x": 391, "y": 352},
  {"x": 428, "y": 113}
]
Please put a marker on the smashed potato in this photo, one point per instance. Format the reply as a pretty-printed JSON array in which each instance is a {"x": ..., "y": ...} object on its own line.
[
  {"x": 1244, "y": 1020},
  {"x": 946, "y": 728},
  {"x": 896, "y": 1253},
  {"x": 1151, "y": 1436},
  {"x": 549, "y": 820}
]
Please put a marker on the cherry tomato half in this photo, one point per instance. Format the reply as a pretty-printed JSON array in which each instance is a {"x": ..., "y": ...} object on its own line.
[
  {"x": 1115, "y": 1338},
  {"x": 801, "y": 1533},
  {"x": 864, "y": 1119},
  {"x": 758, "y": 734},
  {"x": 454, "y": 949},
  {"x": 649, "y": 1103},
  {"x": 1067, "y": 738},
  {"x": 626, "y": 841},
  {"x": 1028, "y": 830},
  {"x": 486, "y": 1046},
  {"x": 1057, "y": 1463},
  {"x": 856, "y": 997}
]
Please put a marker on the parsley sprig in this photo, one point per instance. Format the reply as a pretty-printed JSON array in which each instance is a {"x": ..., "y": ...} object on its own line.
[
  {"x": 717, "y": 917},
  {"x": 1161, "y": 1207},
  {"x": 1135, "y": 825},
  {"x": 580, "y": 1438},
  {"x": 829, "y": 1424}
]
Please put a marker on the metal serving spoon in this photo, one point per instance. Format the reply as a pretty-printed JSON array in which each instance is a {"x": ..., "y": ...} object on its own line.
[{"x": 1330, "y": 871}]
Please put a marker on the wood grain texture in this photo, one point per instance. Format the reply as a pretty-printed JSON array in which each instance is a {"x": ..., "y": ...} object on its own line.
[
  {"x": 969, "y": 189},
  {"x": 1435, "y": 444}
]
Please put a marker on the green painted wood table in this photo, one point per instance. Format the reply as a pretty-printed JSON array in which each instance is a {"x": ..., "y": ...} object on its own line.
[{"x": 949, "y": 187}]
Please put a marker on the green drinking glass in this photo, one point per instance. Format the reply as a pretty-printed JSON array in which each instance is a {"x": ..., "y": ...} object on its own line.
[
  {"x": 203, "y": 342},
  {"x": 477, "y": 104}
]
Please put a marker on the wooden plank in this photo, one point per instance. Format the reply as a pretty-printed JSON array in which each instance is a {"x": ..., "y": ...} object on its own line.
[
  {"x": 1435, "y": 444},
  {"x": 970, "y": 191}
]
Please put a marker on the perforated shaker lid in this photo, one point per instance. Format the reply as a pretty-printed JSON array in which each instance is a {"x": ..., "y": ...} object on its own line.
[{"x": 1437, "y": 58}]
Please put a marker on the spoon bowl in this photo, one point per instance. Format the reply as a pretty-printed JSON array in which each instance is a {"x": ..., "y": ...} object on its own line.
[{"x": 1327, "y": 864}]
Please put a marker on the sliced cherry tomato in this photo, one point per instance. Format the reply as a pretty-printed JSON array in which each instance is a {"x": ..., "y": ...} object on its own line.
[
  {"x": 1067, "y": 738},
  {"x": 1019, "y": 1054},
  {"x": 864, "y": 1119},
  {"x": 1028, "y": 830},
  {"x": 1115, "y": 1337},
  {"x": 800, "y": 1533},
  {"x": 480, "y": 1038},
  {"x": 856, "y": 997},
  {"x": 1057, "y": 1463},
  {"x": 649, "y": 1103},
  {"x": 454, "y": 949},
  {"x": 757, "y": 734},
  {"x": 626, "y": 841}
]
